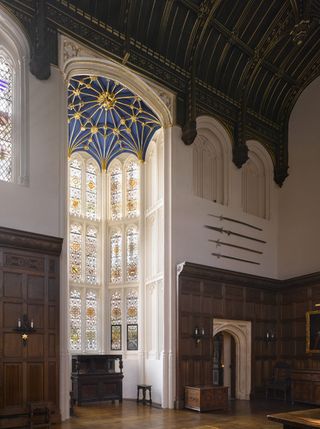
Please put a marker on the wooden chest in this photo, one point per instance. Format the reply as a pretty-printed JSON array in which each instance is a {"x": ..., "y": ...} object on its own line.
[{"x": 206, "y": 398}]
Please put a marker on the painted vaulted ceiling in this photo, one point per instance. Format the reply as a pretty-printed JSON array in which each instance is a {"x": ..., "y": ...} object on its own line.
[
  {"x": 242, "y": 61},
  {"x": 106, "y": 119}
]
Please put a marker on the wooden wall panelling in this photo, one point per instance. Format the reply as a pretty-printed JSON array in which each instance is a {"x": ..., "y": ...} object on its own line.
[
  {"x": 29, "y": 284},
  {"x": 226, "y": 295}
]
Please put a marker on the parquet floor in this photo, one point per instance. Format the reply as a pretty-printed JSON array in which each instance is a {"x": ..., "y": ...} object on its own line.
[{"x": 129, "y": 415}]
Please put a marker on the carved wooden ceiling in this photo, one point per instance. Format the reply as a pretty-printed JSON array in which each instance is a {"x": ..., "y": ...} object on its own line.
[{"x": 243, "y": 61}]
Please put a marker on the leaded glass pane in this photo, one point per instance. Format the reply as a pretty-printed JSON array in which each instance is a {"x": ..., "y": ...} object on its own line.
[
  {"x": 132, "y": 188},
  {"x": 75, "y": 252},
  {"x": 116, "y": 193},
  {"x": 132, "y": 307},
  {"x": 91, "y": 320},
  {"x": 116, "y": 257},
  {"x": 91, "y": 191},
  {"x": 132, "y": 253},
  {"x": 91, "y": 254},
  {"x": 75, "y": 319},
  {"x": 75, "y": 187},
  {"x": 6, "y": 102},
  {"x": 116, "y": 319}
]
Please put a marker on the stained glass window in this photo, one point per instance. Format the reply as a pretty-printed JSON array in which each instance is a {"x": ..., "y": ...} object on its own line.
[
  {"x": 116, "y": 193},
  {"x": 6, "y": 104},
  {"x": 132, "y": 307},
  {"x": 132, "y": 188},
  {"x": 132, "y": 253},
  {"x": 116, "y": 257},
  {"x": 91, "y": 254},
  {"x": 116, "y": 320},
  {"x": 91, "y": 191},
  {"x": 75, "y": 252},
  {"x": 91, "y": 320},
  {"x": 75, "y": 319},
  {"x": 75, "y": 187}
]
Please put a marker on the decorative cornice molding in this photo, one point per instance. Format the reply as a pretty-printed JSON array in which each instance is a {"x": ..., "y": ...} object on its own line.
[
  {"x": 191, "y": 270},
  {"x": 24, "y": 240}
]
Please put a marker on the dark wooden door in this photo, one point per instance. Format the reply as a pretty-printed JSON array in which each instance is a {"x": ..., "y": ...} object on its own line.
[
  {"x": 233, "y": 368},
  {"x": 29, "y": 285},
  {"x": 218, "y": 359}
]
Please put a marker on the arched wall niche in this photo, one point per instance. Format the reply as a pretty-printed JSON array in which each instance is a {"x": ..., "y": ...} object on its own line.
[
  {"x": 211, "y": 158},
  {"x": 14, "y": 43},
  {"x": 256, "y": 181}
]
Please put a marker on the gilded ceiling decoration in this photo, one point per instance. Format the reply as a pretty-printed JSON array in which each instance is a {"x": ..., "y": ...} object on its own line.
[
  {"x": 243, "y": 61},
  {"x": 106, "y": 119}
]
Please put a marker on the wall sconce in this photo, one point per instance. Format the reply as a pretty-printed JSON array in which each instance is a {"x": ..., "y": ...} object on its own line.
[
  {"x": 198, "y": 334},
  {"x": 24, "y": 327},
  {"x": 270, "y": 336}
]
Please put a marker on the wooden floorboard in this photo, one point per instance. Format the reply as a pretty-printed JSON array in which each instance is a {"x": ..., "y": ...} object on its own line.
[{"x": 130, "y": 415}]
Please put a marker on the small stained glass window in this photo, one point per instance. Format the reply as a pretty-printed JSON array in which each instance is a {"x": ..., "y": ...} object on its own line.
[
  {"x": 91, "y": 254},
  {"x": 75, "y": 187},
  {"x": 6, "y": 104},
  {"x": 91, "y": 191},
  {"x": 132, "y": 307},
  {"x": 75, "y": 252},
  {"x": 132, "y": 189},
  {"x": 116, "y": 193},
  {"x": 132, "y": 253},
  {"x": 75, "y": 319},
  {"x": 116, "y": 256},
  {"x": 116, "y": 321},
  {"x": 91, "y": 320}
]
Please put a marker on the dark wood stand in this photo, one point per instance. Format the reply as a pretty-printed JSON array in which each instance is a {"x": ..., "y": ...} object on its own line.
[
  {"x": 305, "y": 386},
  {"x": 298, "y": 419},
  {"x": 96, "y": 378},
  {"x": 206, "y": 398}
]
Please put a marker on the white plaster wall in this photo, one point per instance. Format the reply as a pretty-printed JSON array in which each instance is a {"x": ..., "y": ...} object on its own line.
[
  {"x": 299, "y": 232},
  {"x": 190, "y": 214},
  {"x": 131, "y": 378},
  {"x": 36, "y": 207},
  {"x": 154, "y": 374}
]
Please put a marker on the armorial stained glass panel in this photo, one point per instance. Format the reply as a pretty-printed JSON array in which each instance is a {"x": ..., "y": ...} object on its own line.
[
  {"x": 132, "y": 253},
  {"x": 132, "y": 188},
  {"x": 91, "y": 254},
  {"x": 116, "y": 256},
  {"x": 116, "y": 193},
  {"x": 75, "y": 187},
  {"x": 75, "y": 252},
  {"x": 6, "y": 104},
  {"x": 75, "y": 319},
  {"x": 91, "y": 320},
  {"x": 91, "y": 191}
]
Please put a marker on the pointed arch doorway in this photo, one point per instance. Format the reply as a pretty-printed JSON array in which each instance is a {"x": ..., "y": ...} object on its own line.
[{"x": 241, "y": 332}]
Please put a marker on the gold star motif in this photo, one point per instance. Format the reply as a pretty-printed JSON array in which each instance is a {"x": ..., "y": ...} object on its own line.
[{"x": 94, "y": 129}]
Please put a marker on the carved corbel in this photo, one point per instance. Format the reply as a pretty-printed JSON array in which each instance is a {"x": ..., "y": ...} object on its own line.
[
  {"x": 240, "y": 149},
  {"x": 189, "y": 130},
  {"x": 40, "y": 64}
]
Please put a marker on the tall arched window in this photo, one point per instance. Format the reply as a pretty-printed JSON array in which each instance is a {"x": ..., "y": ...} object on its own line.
[
  {"x": 6, "y": 107},
  {"x": 104, "y": 233},
  {"x": 14, "y": 60}
]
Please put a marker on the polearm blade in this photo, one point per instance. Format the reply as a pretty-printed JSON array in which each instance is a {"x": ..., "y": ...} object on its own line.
[
  {"x": 230, "y": 219},
  {"x": 219, "y": 255},
  {"x": 225, "y": 231},
  {"x": 223, "y": 243}
]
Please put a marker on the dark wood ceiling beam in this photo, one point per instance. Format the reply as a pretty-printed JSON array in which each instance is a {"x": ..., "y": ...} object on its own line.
[{"x": 164, "y": 23}]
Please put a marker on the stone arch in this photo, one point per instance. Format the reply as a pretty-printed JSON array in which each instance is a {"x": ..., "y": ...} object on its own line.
[
  {"x": 241, "y": 332},
  {"x": 111, "y": 70}
]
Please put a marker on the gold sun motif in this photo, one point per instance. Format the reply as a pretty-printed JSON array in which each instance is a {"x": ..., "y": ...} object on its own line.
[{"x": 107, "y": 100}]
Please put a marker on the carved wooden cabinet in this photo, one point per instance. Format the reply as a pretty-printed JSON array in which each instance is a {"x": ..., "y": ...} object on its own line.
[
  {"x": 29, "y": 290},
  {"x": 96, "y": 378},
  {"x": 306, "y": 386},
  {"x": 206, "y": 398}
]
